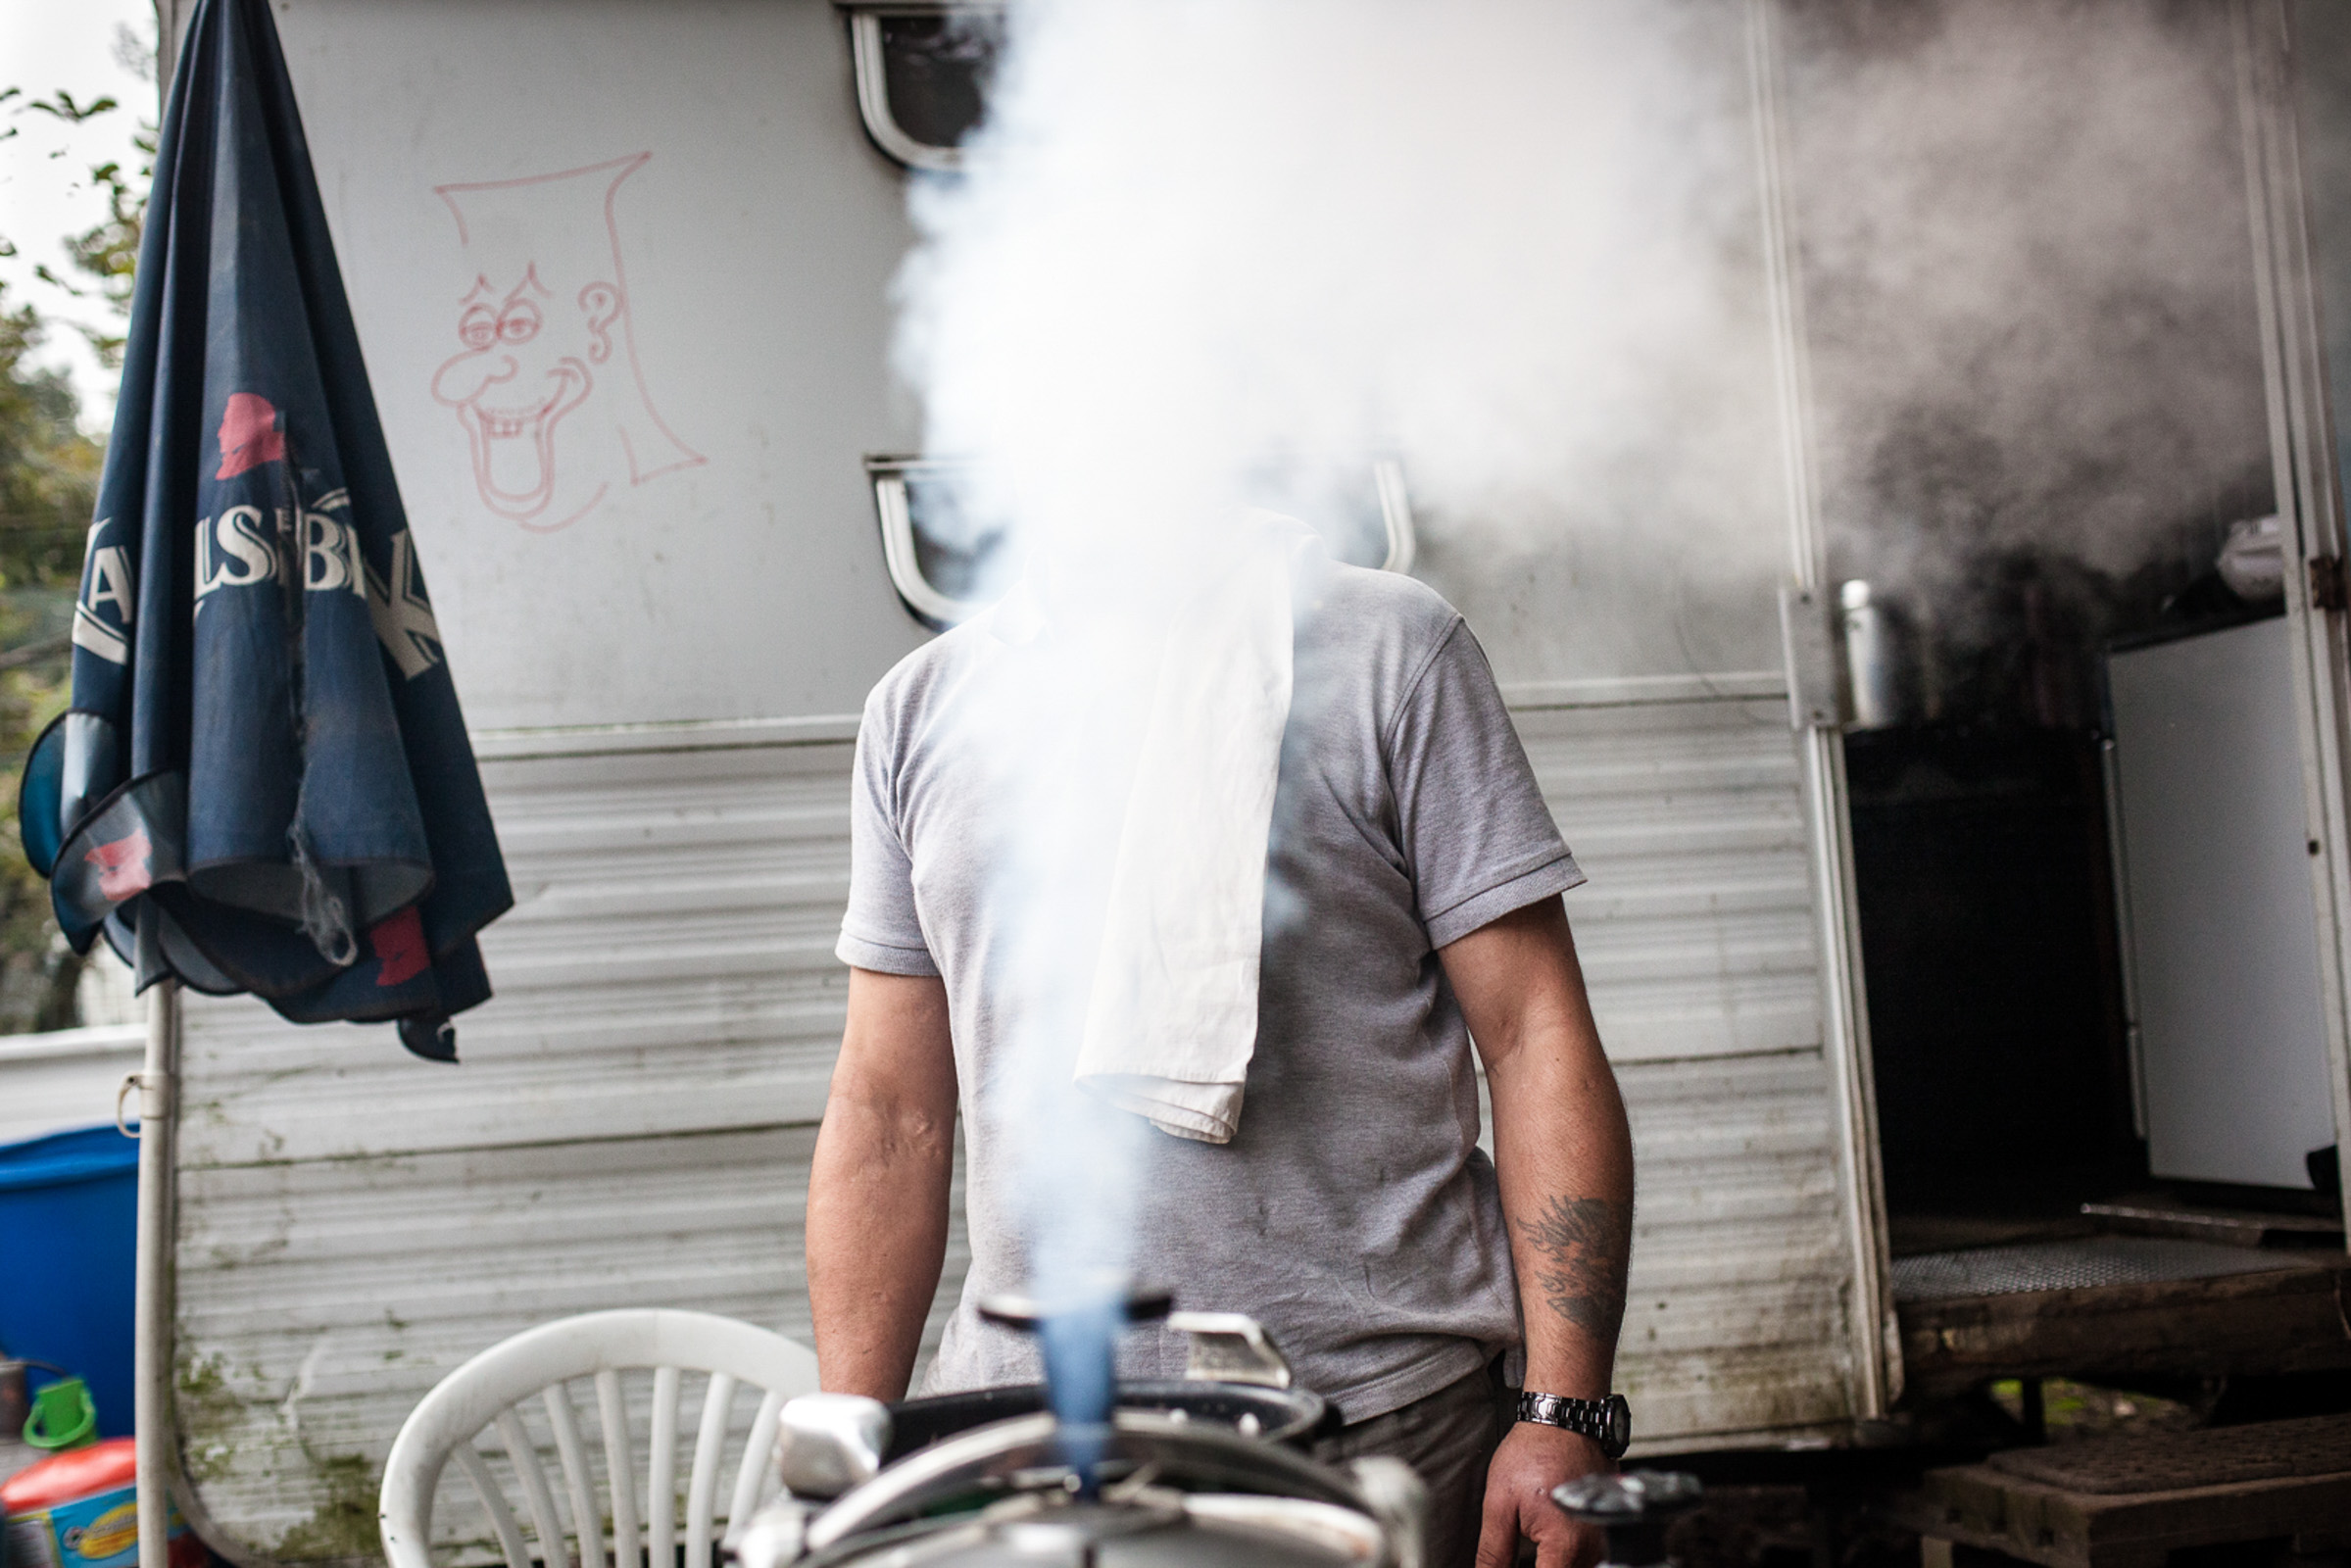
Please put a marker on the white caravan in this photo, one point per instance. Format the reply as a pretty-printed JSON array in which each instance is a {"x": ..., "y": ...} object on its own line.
[{"x": 663, "y": 640}]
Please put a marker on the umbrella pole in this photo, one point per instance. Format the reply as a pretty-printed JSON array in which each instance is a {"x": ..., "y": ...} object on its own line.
[{"x": 151, "y": 1363}]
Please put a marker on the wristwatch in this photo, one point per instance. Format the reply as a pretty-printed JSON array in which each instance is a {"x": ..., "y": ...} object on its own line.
[{"x": 1607, "y": 1422}]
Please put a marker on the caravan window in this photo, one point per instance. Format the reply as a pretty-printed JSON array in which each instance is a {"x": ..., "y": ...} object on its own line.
[
  {"x": 922, "y": 75},
  {"x": 944, "y": 564},
  {"x": 947, "y": 565}
]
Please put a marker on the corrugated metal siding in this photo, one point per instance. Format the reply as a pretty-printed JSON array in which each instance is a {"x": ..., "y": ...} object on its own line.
[
  {"x": 631, "y": 1126},
  {"x": 667, "y": 969},
  {"x": 1696, "y": 935},
  {"x": 633, "y": 1121},
  {"x": 1735, "y": 1316}
]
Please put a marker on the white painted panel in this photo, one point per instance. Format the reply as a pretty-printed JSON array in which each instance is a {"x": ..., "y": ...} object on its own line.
[
  {"x": 730, "y": 565},
  {"x": 724, "y": 561},
  {"x": 632, "y": 1121},
  {"x": 66, "y": 1078}
]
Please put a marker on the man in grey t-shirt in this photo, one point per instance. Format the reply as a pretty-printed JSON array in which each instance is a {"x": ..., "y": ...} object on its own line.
[{"x": 1413, "y": 881}]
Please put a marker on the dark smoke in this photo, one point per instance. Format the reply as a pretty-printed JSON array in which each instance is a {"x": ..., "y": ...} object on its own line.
[{"x": 2029, "y": 277}]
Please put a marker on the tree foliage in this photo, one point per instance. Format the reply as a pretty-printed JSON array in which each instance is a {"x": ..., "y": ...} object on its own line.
[
  {"x": 49, "y": 472},
  {"x": 48, "y": 482},
  {"x": 109, "y": 252}
]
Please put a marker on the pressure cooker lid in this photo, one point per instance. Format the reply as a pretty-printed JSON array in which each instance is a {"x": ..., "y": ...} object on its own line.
[
  {"x": 1279, "y": 1415},
  {"x": 1141, "y": 1532},
  {"x": 1022, "y": 1461}
]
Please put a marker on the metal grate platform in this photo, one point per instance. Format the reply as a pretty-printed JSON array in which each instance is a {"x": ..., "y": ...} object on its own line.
[{"x": 2069, "y": 1265}]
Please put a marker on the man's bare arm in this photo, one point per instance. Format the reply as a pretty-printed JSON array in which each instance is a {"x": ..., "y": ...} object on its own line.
[
  {"x": 1561, "y": 1145},
  {"x": 878, "y": 1190},
  {"x": 1565, "y": 1159}
]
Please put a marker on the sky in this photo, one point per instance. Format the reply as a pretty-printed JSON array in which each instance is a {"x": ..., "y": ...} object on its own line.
[{"x": 45, "y": 190}]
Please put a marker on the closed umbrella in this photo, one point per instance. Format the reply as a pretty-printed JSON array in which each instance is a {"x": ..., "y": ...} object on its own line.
[{"x": 263, "y": 784}]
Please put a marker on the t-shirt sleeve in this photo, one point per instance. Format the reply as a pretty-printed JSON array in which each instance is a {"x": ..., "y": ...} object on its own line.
[
  {"x": 881, "y": 929},
  {"x": 1476, "y": 834}
]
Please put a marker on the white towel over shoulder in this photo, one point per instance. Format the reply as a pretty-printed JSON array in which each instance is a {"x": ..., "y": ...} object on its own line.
[{"x": 1172, "y": 1021}]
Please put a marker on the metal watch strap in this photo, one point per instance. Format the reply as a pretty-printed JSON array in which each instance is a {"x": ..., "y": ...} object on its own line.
[{"x": 1605, "y": 1422}]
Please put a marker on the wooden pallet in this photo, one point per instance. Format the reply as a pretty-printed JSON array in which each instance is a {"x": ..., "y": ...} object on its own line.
[{"x": 2126, "y": 1502}]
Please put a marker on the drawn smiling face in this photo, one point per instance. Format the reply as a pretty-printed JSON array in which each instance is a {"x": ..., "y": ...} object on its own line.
[
  {"x": 548, "y": 386},
  {"x": 525, "y": 366}
]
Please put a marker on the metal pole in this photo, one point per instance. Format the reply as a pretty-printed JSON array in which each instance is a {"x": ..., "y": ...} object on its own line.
[
  {"x": 151, "y": 1309},
  {"x": 151, "y": 1354}
]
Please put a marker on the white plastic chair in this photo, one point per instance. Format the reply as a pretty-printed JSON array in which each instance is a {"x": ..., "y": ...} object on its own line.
[{"x": 487, "y": 1393}]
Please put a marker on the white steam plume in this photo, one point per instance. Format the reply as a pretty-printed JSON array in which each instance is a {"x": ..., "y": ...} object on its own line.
[
  {"x": 1206, "y": 238},
  {"x": 1202, "y": 241},
  {"x": 1513, "y": 242}
]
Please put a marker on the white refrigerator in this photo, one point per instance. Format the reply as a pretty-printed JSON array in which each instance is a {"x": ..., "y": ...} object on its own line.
[{"x": 2219, "y": 932}]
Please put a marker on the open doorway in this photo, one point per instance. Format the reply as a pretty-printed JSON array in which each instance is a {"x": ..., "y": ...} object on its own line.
[{"x": 2036, "y": 337}]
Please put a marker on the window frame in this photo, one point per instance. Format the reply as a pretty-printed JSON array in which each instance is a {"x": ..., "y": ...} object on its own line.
[
  {"x": 869, "y": 57},
  {"x": 894, "y": 514}
]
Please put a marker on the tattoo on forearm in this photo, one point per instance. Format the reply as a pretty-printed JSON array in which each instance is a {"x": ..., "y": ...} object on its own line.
[{"x": 1584, "y": 1245}]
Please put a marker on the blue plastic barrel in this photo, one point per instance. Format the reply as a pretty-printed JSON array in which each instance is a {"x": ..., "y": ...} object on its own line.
[{"x": 69, "y": 1259}]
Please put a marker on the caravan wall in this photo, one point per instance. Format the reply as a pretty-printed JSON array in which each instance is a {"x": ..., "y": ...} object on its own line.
[{"x": 663, "y": 620}]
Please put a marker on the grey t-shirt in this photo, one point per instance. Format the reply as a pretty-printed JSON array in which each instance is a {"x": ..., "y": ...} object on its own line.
[{"x": 1352, "y": 1214}]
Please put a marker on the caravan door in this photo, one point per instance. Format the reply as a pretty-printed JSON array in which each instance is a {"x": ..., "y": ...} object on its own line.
[{"x": 2295, "y": 82}]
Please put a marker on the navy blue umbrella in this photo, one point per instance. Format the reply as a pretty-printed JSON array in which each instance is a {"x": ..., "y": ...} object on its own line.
[{"x": 264, "y": 783}]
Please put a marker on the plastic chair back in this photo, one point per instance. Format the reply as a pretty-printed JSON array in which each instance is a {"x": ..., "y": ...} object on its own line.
[{"x": 489, "y": 1393}]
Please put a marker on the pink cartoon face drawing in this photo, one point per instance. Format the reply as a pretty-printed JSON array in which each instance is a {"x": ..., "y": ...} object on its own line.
[
  {"x": 545, "y": 379},
  {"x": 517, "y": 377}
]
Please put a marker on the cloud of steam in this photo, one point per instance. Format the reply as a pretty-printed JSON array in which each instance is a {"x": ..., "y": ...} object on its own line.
[
  {"x": 1514, "y": 242},
  {"x": 1207, "y": 240},
  {"x": 2029, "y": 280},
  {"x": 1214, "y": 249}
]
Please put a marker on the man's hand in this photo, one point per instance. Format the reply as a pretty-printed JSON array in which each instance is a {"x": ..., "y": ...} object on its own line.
[{"x": 1532, "y": 1460}]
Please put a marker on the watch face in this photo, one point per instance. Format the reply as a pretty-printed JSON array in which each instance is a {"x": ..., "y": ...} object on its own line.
[{"x": 1619, "y": 1436}]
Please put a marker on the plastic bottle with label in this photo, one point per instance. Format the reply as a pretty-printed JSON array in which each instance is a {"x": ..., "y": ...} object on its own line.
[{"x": 79, "y": 1509}]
